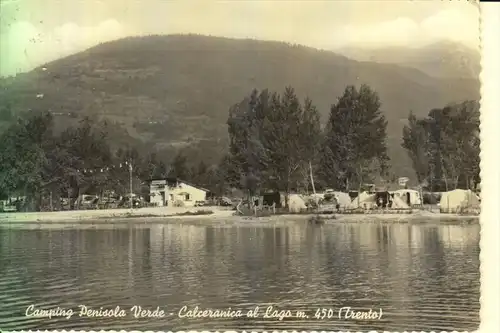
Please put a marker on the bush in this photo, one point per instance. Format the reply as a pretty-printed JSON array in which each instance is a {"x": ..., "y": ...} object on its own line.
[{"x": 179, "y": 203}]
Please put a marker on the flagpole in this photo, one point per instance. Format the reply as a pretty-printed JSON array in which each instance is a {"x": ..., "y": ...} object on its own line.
[{"x": 130, "y": 174}]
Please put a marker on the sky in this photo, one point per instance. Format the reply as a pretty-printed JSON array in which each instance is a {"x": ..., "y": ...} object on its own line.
[{"x": 34, "y": 32}]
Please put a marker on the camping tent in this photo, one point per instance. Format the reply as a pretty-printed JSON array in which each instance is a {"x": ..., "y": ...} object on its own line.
[
  {"x": 296, "y": 203},
  {"x": 458, "y": 201},
  {"x": 316, "y": 196},
  {"x": 414, "y": 196},
  {"x": 364, "y": 200},
  {"x": 343, "y": 199},
  {"x": 398, "y": 203}
]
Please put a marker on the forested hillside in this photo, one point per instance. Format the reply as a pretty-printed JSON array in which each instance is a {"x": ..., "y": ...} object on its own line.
[{"x": 166, "y": 93}]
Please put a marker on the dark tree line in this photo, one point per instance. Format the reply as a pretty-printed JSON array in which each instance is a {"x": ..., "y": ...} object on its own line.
[
  {"x": 444, "y": 146},
  {"x": 40, "y": 164},
  {"x": 277, "y": 143}
]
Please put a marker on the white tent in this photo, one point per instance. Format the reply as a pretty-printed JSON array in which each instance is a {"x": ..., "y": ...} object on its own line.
[
  {"x": 458, "y": 200},
  {"x": 414, "y": 196},
  {"x": 364, "y": 200},
  {"x": 398, "y": 203},
  {"x": 296, "y": 203},
  {"x": 316, "y": 196}
]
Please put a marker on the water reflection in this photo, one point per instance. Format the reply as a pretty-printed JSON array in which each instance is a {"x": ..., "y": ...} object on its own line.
[{"x": 423, "y": 277}]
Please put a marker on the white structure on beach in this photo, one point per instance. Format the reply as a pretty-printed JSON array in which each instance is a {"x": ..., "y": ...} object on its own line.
[
  {"x": 458, "y": 201},
  {"x": 296, "y": 203},
  {"x": 343, "y": 199},
  {"x": 175, "y": 192},
  {"x": 410, "y": 197},
  {"x": 364, "y": 200}
]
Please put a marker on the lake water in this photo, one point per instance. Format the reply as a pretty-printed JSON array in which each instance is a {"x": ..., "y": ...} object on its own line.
[{"x": 422, "y": 277}]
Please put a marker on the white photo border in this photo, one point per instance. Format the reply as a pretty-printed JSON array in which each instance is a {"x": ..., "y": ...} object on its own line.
[{"x": 490, "y": 170}]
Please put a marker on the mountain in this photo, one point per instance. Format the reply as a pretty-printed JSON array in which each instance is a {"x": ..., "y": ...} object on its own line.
[
  {"x": 442, "y": 59},
  {"x": 171, "y": 92}
]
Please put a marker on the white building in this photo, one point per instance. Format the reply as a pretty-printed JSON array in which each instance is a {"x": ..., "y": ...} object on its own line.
[
  {"x": 158, "y": 192},
  {"x": 175, "y": 192}
]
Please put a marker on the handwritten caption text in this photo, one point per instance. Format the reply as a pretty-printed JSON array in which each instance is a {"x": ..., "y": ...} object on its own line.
[{"x": 269, "y": 312}]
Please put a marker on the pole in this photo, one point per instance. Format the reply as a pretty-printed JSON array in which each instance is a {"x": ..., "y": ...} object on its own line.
[
  {"x": 312, "y": 183},
  {"x": 130, "y": 174},
  {"x": 311, "y": 175}
]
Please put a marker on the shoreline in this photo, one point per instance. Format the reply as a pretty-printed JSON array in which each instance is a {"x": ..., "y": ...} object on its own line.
[
  {"x": 82, "y": 216},
  {"x": 219, "y": 216}
]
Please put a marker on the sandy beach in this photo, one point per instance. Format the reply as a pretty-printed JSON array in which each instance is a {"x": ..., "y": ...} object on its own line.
[
  {"x": 218, "y": 216},
  {"x": 71, "y": 216}
]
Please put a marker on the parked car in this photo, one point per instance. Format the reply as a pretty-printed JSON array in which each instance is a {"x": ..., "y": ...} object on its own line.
[
  {"x": 87, "y": 201},
  {"x": 7, "y": 207},
  {"x": 137, "y": 202},
  {"x": 109, "y": 202},
  {"x": 225, "y": 201}
]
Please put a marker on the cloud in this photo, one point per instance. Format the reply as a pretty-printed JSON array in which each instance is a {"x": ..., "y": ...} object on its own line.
[
  {"x": 450, "y": 24},
  {"x": 455, "y": 25},
  {"x": 24, "y": 46},
  {"x": 401, "y": 31}
]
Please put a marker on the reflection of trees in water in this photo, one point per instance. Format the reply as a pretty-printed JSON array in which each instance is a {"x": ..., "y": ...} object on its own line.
[
  {"x": 401, "y": 268},
  {"x": 434, "y": 261},
  {"x": 383, "y": 238},
  {"x": 5, "y": 246},
  {"x": 459, "y": 237},
  {"x": 461, "y": 254},
  {"x": 145, "y": 237},
  {"x": 337, "y": 262},
  {"x": 449, "y": 278}
]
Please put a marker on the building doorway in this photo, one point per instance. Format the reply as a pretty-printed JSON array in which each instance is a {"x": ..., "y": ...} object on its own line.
[{"x": 163, "y": 203}]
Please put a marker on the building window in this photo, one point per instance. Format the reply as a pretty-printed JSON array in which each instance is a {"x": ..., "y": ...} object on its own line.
[{"x": 188, "y": 197}]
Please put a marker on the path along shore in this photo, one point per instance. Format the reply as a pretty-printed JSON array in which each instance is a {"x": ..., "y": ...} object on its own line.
[{"x": 218, "y": 216}]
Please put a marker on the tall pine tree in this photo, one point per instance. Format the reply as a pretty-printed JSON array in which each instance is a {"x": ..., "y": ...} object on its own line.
[{"x": 354, "y": 147}]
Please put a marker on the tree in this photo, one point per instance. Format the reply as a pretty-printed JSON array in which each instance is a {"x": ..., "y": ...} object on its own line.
[
  {"x": 153, "y": 167},
  {"x": 23, "y": 157},
  {"x": 200, "y": 174},
  {"x": 310, "y": 140},
  {"x": 273, "y": 141},
  {"x": 465, "y": 151},
  {"x": 227, "y": 174},
  {"x": 247, "y": 154},
  {"x": 291, "y": 135},
  {"x": 354, "y": 147},
  {"x": 416, "y": 143},
  {"x": 59, "y": 170},
  {"x": 35, "y": 162},
  {"x": 179, "y": 168},
  {"x": 91, "y": 158},
  {"x": 451, "y": 149}
]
